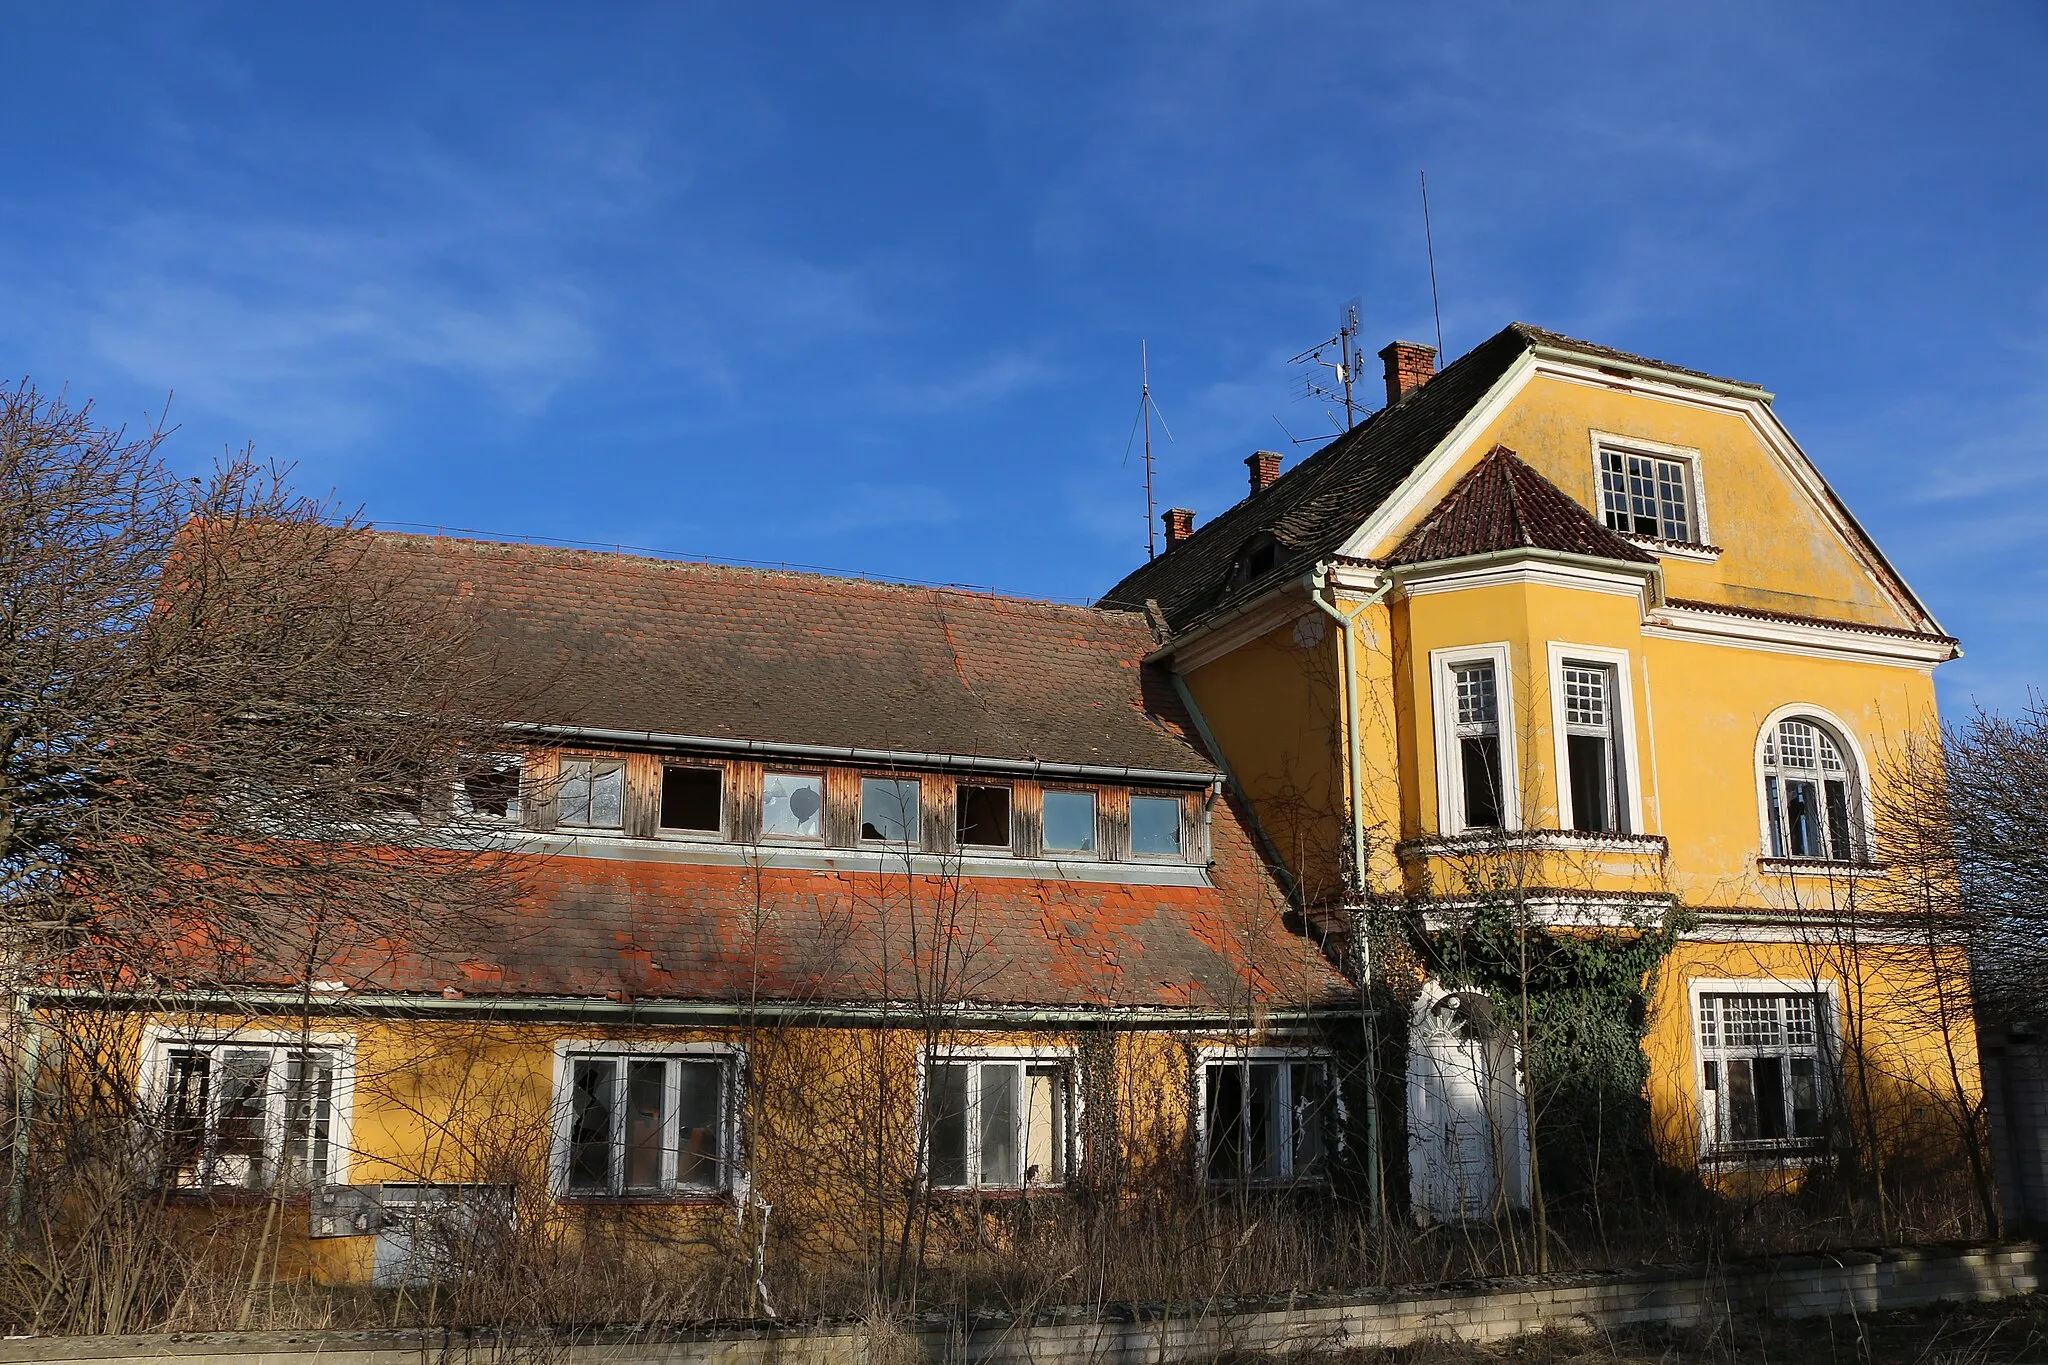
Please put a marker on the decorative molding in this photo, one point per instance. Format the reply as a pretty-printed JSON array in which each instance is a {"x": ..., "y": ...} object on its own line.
[
  {"x": 1532, "y": 841},
  {"x": 1548, "y": 567},
  {"x": 1814, "y": 638}
]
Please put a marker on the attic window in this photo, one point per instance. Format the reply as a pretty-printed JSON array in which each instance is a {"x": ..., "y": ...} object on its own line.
[
  {"x": 983, "y": 817},
  {"x": 1645, "y": 495},
  {"x": 1259, "y": 556},
  {"x": 693, "y": 799},
  {"x": 490, "y": 790},
  {"x": 592, "y": 793}
]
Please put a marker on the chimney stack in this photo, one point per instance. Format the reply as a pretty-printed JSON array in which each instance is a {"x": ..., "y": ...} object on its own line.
[
  {"x": 1265, "y": 467},
  {"x": 1410, "y": 365},
  {"x": 1180, "y": 524}
]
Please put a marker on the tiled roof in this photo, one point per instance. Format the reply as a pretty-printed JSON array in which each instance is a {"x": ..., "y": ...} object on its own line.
[
  {"x": 619, "y": 642},
  {"x": 1312, "y": 509},
  {"x": 1504, "y": 504},
  {"x": 621, "y": 929}
]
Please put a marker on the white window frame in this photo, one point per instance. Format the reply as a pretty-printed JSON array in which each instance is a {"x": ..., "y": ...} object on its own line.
[
  {"x": 732, "y": 1092},
  {"x": 1024, "y": 1057},
  {"x": 1696, "y": 486},
  {"x": 723, "y": 834},
  {"x": 159, "y": 1041},
  {"x": 915, "y": 842},
  {"x": 1180, "y": 827},
  {"x": 1629, "y": 767},
  {"x": 824, "y": 802},
  {"x": 1097, "y": 854},
  {"x": 1226, "y": 1055},
  {"x": 610, "y": 761},
  {"x": 1792, "y": 1151},
  {"x": 1861, "y": 816},
  {"x": 515, "y": 810},
  {"x": 1450, "y": 772}
]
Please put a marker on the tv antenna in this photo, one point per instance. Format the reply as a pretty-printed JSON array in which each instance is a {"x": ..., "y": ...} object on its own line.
[
  {"x": 1335, "y": 387},
  {"x": 1429, "y": 243},
  {"x": 1147, "y": 410}
]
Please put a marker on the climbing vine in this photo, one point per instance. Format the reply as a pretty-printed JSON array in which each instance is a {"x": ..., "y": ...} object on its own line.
[{"x": 1587, "y": 994}]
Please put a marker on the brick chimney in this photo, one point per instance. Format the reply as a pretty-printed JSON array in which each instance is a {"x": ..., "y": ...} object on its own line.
[
  {"x": 1265, "y": 467},
  {"x": 1180, "y": 524},
  {"x": 1410, "y": 365}
]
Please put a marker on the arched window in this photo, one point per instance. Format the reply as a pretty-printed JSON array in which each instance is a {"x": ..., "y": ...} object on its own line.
[{"x": 1811, "y": 800}]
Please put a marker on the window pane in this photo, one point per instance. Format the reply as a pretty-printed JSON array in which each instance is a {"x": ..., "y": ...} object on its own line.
[
  {"x": 644, "y": 1085},
  {"x": 1311, "y": 1115},
  {"x": 608, "y": 797},
  {"x": 1671, "y": 500},
  {"x": 185, "y": 1110},
  {"x": 1480, "y": 755},
  {"x": 1614, "y": 490},
  {"x": 692, "y": 798},
  {"x": 572, "y": 795},
  {"x": 700, "y": 1124},
  {"x": 1802, "y": 819},
  {"x": 1741, "y": 1102},
  {"x": 592, "y": 794},
  {"x": 1585, "y": 697},
  {"x": 999, "y": 1125},
  {"x": 1155, "y": 825},
  {"x": 790, "y": 803},
  {"x": 1777, "y": 817},
  {"x": 946, "y": 1119},
  {"x": 1045, "y": 1125},
  {"x": 492, "y": 789},
  {"x": 1266, "y": 1133},
  {"x": 888, "y": 809},
  {"x": 1839, "y": 845},
  {"x": 590, "y": 1125},
  {"x": 1478, "y": 703},
  {"x": 1591, "y": 783},
  {"x": 982, "y": 816},
  {"x": 1070, "y": 822},
  {"x": 238, "y": 1117},
  {"x": 1223, "y": 1103},
  {"x": 308, "y": 1116},
  {"x": 1804, "y": 1097},
  {"x": 1769, "y": 1074}
]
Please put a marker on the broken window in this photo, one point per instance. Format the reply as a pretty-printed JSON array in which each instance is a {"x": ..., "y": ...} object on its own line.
[
  {"x": 693, "y": 799},
  {"x": 888, "y": 809},
  {"x": 646, "y": 1125},
  {"x": 591, "y": 793},
  {"x": 1592, "y": 748},
  {"x": 1069, "y": 822},
  {"x": 1761, "y": 1059},
  {"x": 791, "y": 804},
  {"x": 490, "y": 790},
  {"x": 1645, "y": 496},
  {"x": 982, "y": 816},
  {"x": 237, "y": 1115},
  {"x": 1155, "y": 826},
  {"x": 1478, "y": 735},
  {"x": 1265, "y": 1119},
  {"x": 1810, "y": 796},
  {"x": 997, "y": 1124}
]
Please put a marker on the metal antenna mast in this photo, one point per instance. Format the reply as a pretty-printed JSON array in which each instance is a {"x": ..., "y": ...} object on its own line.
[
  {"x": 1147, "y": 410},
  {"x": 1429, "y": 241},
  {"x": 1346, "y": 367}
]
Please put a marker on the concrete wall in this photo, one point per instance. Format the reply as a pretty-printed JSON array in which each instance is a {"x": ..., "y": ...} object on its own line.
[{"x": 1803, "y": 1286}]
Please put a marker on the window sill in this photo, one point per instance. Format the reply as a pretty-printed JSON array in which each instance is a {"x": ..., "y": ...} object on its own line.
[
  {"x": 1528, "y": 840},
  {"x": 1817, "y": 867},
  {"x": 648, "y": 1197},
  {"x": 1674, "y": 549}
]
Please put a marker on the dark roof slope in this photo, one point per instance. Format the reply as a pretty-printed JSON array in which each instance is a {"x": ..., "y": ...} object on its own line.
[
  {"x": 1312, "y": 509},
  {"x": 619, "y": 642},
  {"x": 1504, "y": 504}
]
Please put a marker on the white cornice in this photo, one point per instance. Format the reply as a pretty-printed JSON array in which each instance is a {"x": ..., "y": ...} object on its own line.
[
  {"x": 1211, "y": 641},
  {"x": 1812, "y": 638},
  {"x": 1525, "y": 565}
]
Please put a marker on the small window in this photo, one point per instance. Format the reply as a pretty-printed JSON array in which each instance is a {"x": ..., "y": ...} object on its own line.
[
  {"x": 1069, "y": 822},
  {"x": 490, "y": 790},
  {"x": 1155, "y": 826},
  {"x": 1478, "y": 735},
  {"x": 791, "y": 804},
  {"x": 591, "y": 794},
  {"x": 997, "y": 1124},
  {"x": 982, "y": 816},
  {"x": 239, "y": 1116},
  {"x": 1266, "y": 1120},
  {"x": 1646, "y": 496},
  {"x": 1810, "y": 796},
  {"x": 646, "y": 1125},
  {"x": 1761, "y": 1059},
  {"x": 693, "y": 799},
  {"x": 1591, "y": 748},
  {"x": 888, "y": 810}
]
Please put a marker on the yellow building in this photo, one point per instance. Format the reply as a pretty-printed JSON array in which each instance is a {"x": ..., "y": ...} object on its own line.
[{"x": 1584, "y": 642}]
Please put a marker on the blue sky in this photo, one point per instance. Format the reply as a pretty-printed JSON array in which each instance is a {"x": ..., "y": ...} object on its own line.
[{"x": 863, "y": 287}]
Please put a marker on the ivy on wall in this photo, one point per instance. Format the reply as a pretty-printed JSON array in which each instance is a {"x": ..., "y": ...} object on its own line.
[{"x": 1587, "y": 994}]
